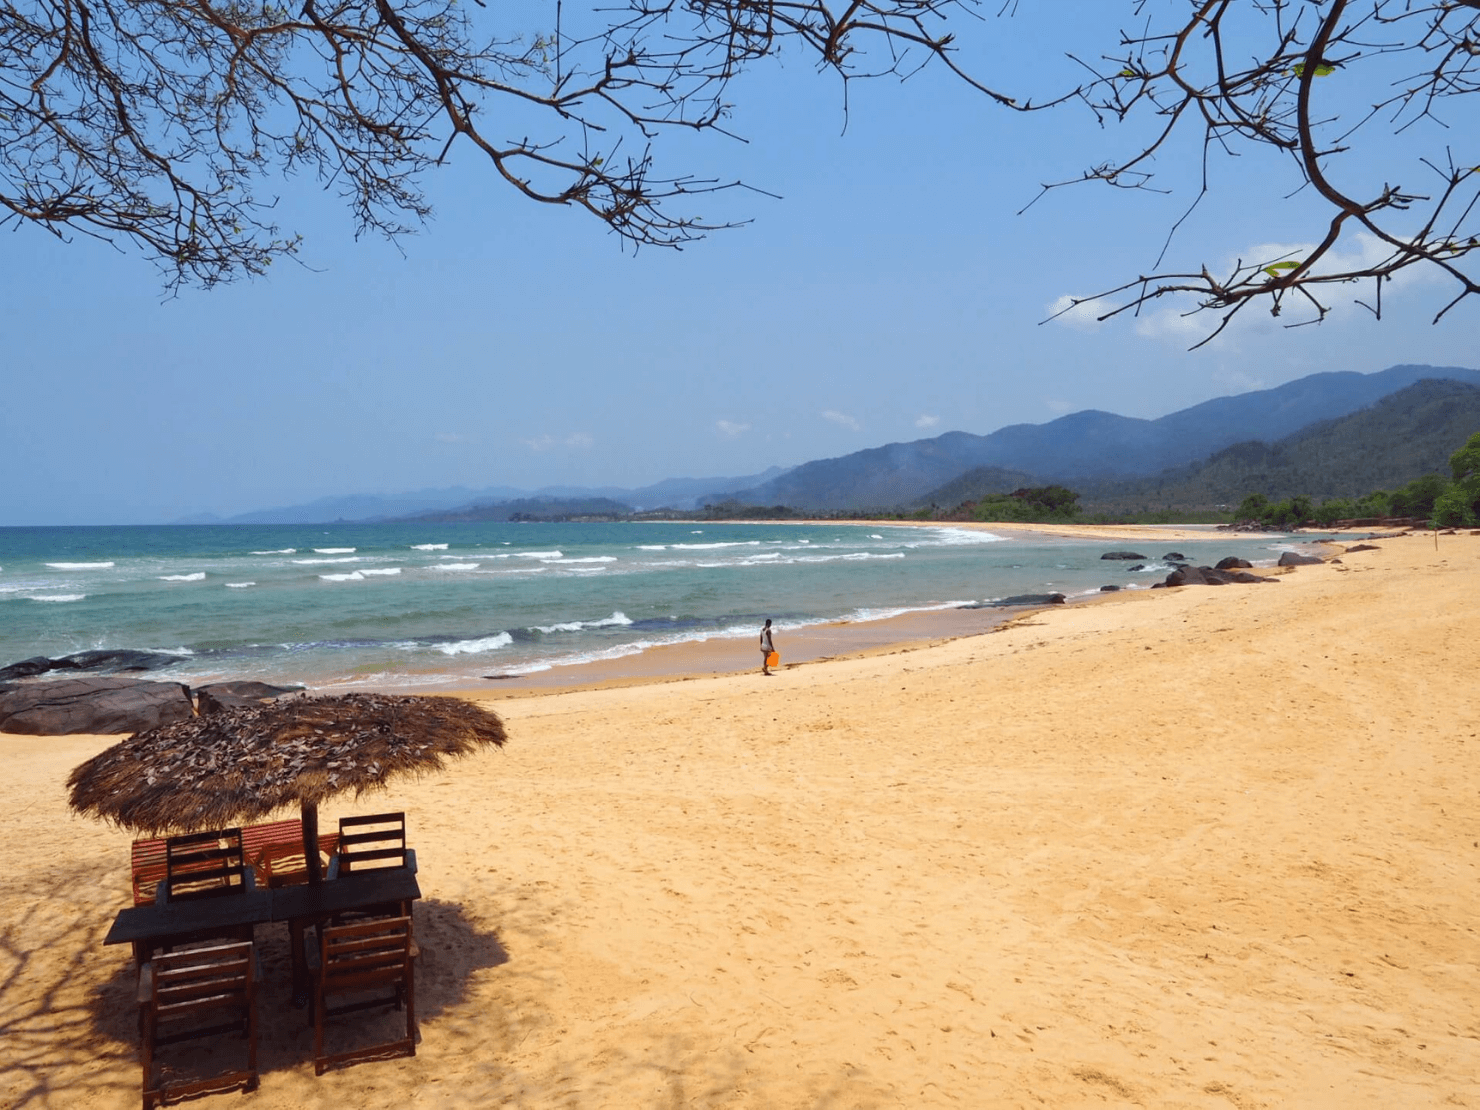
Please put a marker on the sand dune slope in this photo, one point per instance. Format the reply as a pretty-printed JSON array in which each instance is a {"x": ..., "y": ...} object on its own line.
[{"x": 1214, "y": 847}]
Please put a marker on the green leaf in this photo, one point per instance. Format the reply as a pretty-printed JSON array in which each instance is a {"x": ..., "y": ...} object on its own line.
[
  {"x": 1274, "y": 268},
  {"x": 1322, "y": 69},
  {"x": 1126, "y": 73}
]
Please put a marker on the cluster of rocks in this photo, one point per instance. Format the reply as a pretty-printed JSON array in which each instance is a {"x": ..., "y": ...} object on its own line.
[
  {"x": 100, "y": 704},
  {"x": 1229, "y": 570}
]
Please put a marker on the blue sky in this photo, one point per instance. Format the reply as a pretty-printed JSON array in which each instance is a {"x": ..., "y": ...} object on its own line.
[{"x": 892, "y": 293}]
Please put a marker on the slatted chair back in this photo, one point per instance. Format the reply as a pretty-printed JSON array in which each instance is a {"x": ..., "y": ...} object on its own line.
[
  {"x": 205, "y": 865},
  {"x": 371, "y": 841},
  {"x": 371, "y": 958},
  {"x": 186, "y": 996}
]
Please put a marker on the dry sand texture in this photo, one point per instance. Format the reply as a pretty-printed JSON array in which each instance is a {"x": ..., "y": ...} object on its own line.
[{"x": 1212, "y": 847}]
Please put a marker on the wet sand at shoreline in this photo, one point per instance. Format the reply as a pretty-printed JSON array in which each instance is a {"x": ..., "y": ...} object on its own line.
[{"x": 1208, "y": 847}]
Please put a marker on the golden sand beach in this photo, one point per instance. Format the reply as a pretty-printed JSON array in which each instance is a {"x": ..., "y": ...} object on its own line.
[{"x": 1206, "y": 847}]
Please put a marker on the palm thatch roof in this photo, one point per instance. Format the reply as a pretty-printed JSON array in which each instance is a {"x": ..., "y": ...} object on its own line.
[{"x": 239, "y": 765}]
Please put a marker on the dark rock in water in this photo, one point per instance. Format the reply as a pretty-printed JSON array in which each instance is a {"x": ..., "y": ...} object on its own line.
[
  {"x": 111, "y": 662},
  {"x": 1174, "y": 557},
  {"x": 237, "y": 695},
  {"x": 1357, "y": 547},
  {"x": 1108, "y": 589},
  {"x": 1130, "y": 555},
  {"x": 1232, "y": 562},
  {"x": 37, "y": 664},
  {"x": 1019, "y": 599},
  {"x": 99, "y": 662},
  {"x": 106, "y": 705},
  {"x": 1294, "y": 559},
  {"x": 1138, "y": 566}
]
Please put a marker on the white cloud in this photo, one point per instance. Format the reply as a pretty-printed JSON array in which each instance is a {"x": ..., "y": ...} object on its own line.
[
  {"x": 730, "y": 430},
  {"x": 923, "y": 421},
  {"x": 1083, "y": 316},
  {"x": 1055, "y": 405},
  {"x": 841, "y": 418},
  {"x": 579, "y": 441}
]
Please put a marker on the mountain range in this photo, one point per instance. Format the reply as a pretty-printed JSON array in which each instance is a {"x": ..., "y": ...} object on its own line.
[
  {"x": 1086, "y": 445},
  {"x": 1089, "y": 449}
]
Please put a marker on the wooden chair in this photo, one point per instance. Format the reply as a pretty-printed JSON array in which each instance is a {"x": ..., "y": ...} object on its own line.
[
  {"x": 276, "y": 854},
  {"x": 146, "y": 865},
  {"x": 372, "y": 842},
  {"x": 177, "y": 992},
  {"x": 205, "y": 865},
  {"x": 360, "y": 959}
]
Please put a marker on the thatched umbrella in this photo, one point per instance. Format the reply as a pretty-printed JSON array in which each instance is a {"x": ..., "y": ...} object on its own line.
[{"x": 239, "y": 765}]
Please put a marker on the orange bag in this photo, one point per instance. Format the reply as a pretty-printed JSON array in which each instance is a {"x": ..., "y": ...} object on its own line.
[{"x": 774, "y": 659}]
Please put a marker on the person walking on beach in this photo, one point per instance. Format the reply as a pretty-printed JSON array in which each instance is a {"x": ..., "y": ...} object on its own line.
[{"x": 767, "y": 647}]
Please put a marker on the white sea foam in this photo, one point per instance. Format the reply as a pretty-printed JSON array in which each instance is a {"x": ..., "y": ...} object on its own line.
[
  {"x": 381, "y": 570},
  {"x": 429, "y": 547},
  {"x": 714, "y": 546},
  {"x": 198, "y": 576},
  {"x": 454, "y": 566},
  {"x": 875, "y": 536},
  {"x": 476, "y": 647},
  {"x": 59, "y": 597},
  {"x": 352, "y": 576},
  {"x": 335, "y": 550},
  {"x": 79, "y": 566},
  {"x": 590, "y": 559},
  {"x": 319, "y": 562},
  {"x": 239, "y": 585},
  {"x": 541, "y": 555},
  {"x": 278, "y": 551},
  {"x": 953, "y": 537},
  {"x": 652, "y": 547}
]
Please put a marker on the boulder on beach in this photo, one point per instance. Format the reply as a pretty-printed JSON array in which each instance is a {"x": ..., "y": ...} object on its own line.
[
  {"x": 1295, "y": 559},
  {"x": 1108, "y": 589},
  {"x": 1129, "y": 555},
  {"x": 237, "y": 695},
  {"x": 1363, "y": 547},
  {"x": 1211, "y": 576},
  {"x": 1232, "y": 562},
  {"x": 1174, "y": 557},
  {"x": 68, "y": 706}
]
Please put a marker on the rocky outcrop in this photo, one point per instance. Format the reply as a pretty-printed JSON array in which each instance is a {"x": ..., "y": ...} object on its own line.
[
  {"x": 1232, "y": 562},
  {"x": 237, "y": 695},
  {"x": 1362, "y": 547},
  {"x": 1174, "y": 557},
  {"x": 1128, "y": 555},
  {"x": 1210, "y": 576},
  {"x": 103, "y": 705},
  {"x": 1295, "y": 559},
  {"x": 95, "y": 662}
]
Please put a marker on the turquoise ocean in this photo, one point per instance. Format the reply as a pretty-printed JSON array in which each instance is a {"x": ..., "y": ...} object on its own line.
[{"x": 435, "y": 605}]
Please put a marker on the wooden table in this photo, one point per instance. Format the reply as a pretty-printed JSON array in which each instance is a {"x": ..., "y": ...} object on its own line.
[{"x": 162, "y": 924}]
